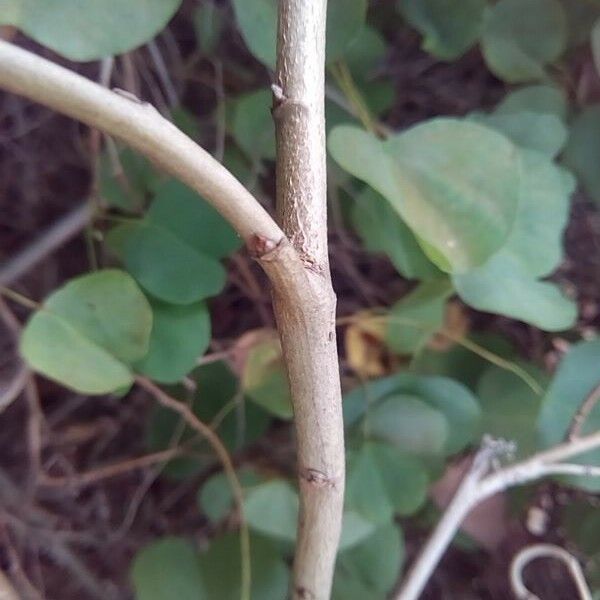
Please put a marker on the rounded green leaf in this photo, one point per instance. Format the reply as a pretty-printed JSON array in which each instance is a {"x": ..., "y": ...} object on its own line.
[
  {"x": 168, "y": 569},
  {"x": 521, "y": 37},
  {"x": 345, "y": 20},
  {"x": 179, "y": 210},
  {"x": 582, "y": 153},
  {"x": 88, "y": 331},
  {"x": 382, "y": 481},
  {"x": 90, "y": 30},
  {"x": 455, "y": 183},
  {"x": 408, "y": 423},
  {"x": 180, "y": 335},
  {"x": 52, "y": 347},
  {"x": 370, "y": 569},
  {"x": 272, "y": 509},
  {"x": 576, "y": 377},
  {"x": 449, "y": 27},
  {"x": 169, "y": 268},
  {"x": 109, "y": 309},
  {"x": 220, "y": 566},
  {"x": 508, "y": 283}
]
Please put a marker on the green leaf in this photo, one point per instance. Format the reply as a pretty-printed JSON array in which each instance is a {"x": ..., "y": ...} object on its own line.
[
  {"x": 168, "y": 569},
  {"x": 57, "y": 350},
  {"x": 576, "y": 377},
  {"x": 90, "y": 30},
  {"x": 510, "y": 408},
  {"x": 582, "y": 153},
  {"x": 541, "y": 99},
  {"x": 345, "y": 20},
  {"x": 365, "y": 53},
  {"x": 449, "y": 27},
  {"x": 439, "y": 394},
  {"x": 521, "y": 37},
  {"x": 208, "y": 25},
  {"x": 507, "y": 284},
  {"x": 172, "y": 569},
  {"x": 179, "y": 210},
  {"x": 382, "y": 482},
  {"x": 271, "y": 509},
  {"x": 215, "y": 498},
  {"x": 408, "y": 423},
  {"x": 417, "y": 316},
  {"x": 257, "y": 20},
  {"x": 264, "y": 379},
  {"x": 89, "y": 331},
  {"x": 169, "y": 268},
  {"x": 180, "y": 335},
  {"x": 370, "y": 569},
  {"x": 545, "y": 133},
  {"x": 503, "y": 286},
  {"x": 455, "y": 183},
  {"x": 252, "y": 124},
  {"x": 382, "y": 230},
  {"x": 127, "y": 184},
  {"x": 220, "y": 566}
]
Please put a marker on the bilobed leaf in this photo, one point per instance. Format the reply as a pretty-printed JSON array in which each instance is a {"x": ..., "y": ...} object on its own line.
[
  {"x": 89, "y": 331},
  {"x": 409, "y": 424},
  {"x": 382, "y": 230},
  {"x": 90, "y": 30},
  {"x": 507, "y": 283},
  {"x": 417, "y": 316},
  {"x": 365, "y": 52},
  {"x": 169, "y": 268},
  {"x": 382, "y": 481},
  {"x": 370, "y": 569},
  {"x": 582, "y": 153},
  {"x": 180, "y": 335},
  {"x": 448, "y": 399},
  {"x": 168, "y": 569},
  {"x": 449, "y": 27},
  {"x": 252, "y": 124},
  {"x": 521, "y": 37},
  {"x": 576, "y": 377},
  {"x": 454, "y": 183}
]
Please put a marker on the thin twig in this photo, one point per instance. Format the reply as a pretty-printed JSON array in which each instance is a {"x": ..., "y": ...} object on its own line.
[
  {"x": 213, "y": 439},
  {"x": 587, "y": 406},
  {"x": 474, "y": 490},
  {"x": 526, "y": 555},
  {"x": 163, "y": 74}
]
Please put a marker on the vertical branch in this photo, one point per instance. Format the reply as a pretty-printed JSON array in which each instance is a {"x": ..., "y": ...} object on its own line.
[{"x": 306, "y": 316}]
